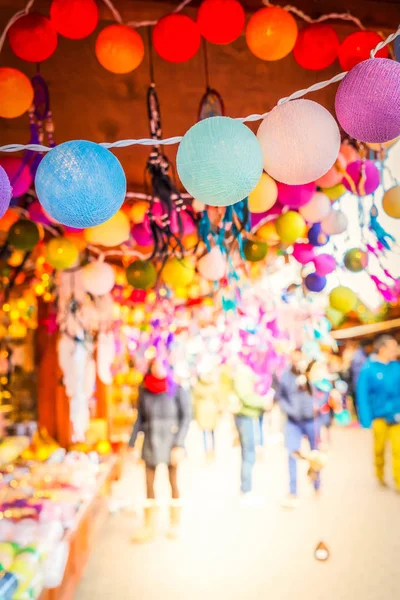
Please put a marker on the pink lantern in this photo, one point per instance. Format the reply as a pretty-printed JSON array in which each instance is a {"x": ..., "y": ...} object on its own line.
[
  {"x": 362, "y": 177},
  {"x": 141, "y": 233},
  {"x": 37, "y": 214},
  {"x": 269, "y": 215},
  {"x": 303, "y": 253},
  {"x": 18, "y": 173},
  {"x": 295, "y": 196},
  {"x": 188, "y": 225},
  {"x": 324, "y": 264},
  {"x": 334, "y": 175}
]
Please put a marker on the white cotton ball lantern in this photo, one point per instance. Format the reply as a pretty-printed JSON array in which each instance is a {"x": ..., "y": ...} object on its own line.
[
  {"x": 98, "y": 278},
  {"x": 212, "y": 266},
  {"x": 317, "y": 209},
  {"x": 335, "y": 223},
  {"x": 300, "y": 141}
]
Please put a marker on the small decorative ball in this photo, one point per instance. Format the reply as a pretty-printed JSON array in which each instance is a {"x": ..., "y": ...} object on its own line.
[
  {"x": 176, "y": 38},
  {"x": 23, "y": 235},
  {"x": 357, "y": 47},
  {"x": 212, "y": 266},
  {"x": 61, "y": 253},
  {"x": 271, "y": 33},
  {"x": 356, "y": 260},
  {"x": 142, "y": 234},
  {"x": 80, "y": 184},
  {"x": 219, "y": 161},
  {"x": 290, "y": 227},
  {"x": 368, "y": 101},
  {"x": 254, "y": 251},
  {"x": 324, "y": 264},
  {"x": 74, "y": 19},
  {"x": 141, "y": 274},
  {"x": 9, "y": 218},
  {"x": 335, "y": 192},
  {"x": 5, "y": 192},
  {"x": 316, "y": 236},
  {"x": 119, "y": 49},
  {"x": 112, "y": 233},
  {"x": 336, "y": 222},
  {"x": 221, "y": 21},
  {"x": 138, "y": 211},
  {"x": 334, "y": 175},
  {"x": 316, "y": 47},
  {"x": 264, "y": 195},
  {"x": 18, "y": 173},
  {"x": 268, "y": 233},
  {"x": 316, "y": 209},
  {"x": 315, "y": 282},
  {"x": 303, "y": 253},
  {"x": 33, "y": 38},
  {"x": 362, "y": 177},
  {"x": 98, "y": 278},
  {"x": 300, "y": 141},
  {"x": 391, "y": 202},
  {"x": 343, "y": 299},
  {"x": 16, "y": 93},
  {"x": 178, "y": 273},
  {"x": 295, "y": 196}
]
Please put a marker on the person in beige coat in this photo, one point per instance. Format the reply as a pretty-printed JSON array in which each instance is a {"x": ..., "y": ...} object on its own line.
[{"x": 206, "y": 398}]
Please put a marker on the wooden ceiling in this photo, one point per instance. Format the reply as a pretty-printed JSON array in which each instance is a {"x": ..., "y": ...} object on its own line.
[{"x": 91, "y": 103}]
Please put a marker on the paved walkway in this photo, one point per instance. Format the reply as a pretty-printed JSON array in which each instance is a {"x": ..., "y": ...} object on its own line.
[{"x": 231, "y": 553}]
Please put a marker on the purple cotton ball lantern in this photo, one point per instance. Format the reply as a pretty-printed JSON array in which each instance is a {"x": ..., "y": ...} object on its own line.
[
  {"x": 315, "y": 282},
  {"x": 324, "y": 264},
  {"x": 5, "y": 192},
  {"x": 362, "y": 177},
  {"x": 303, "y": 253},
  {"x": 18, "y": 173},
  {"x": 316, "y": 236},
  {"x": 295, "y": 196},
  {"x": 368, "y": 101}
]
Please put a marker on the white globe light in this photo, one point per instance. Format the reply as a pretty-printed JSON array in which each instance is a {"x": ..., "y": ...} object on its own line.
[
  {"x": 317, "y": 209},
  {"x": 336, "y": 222}
]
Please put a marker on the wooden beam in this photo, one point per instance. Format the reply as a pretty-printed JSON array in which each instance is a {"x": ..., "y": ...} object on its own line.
[{"x": 360, "y": 330}]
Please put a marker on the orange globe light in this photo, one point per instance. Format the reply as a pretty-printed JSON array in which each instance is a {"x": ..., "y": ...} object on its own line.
[
  {"x": 119, "y": 49},
  {"x": 176, "y": 38},
  {"x": 316, "y": 47},
  {"x": 33, "y": 38},
  {"x": 357, "y": 47},
  {"x": 271, "y": 33},
  {"x": 16, "y": 93},
  {"x": 8, "y": 219},
  {"x": 74, "y": 19}
]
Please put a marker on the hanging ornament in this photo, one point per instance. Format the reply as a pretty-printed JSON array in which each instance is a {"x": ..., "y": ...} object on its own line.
[
  {"x": 112, "y": 233},
  {"x": 391, "y": 202},
  {"x": 254, "y": 250},
  {"x": 362, "y": 177},
  {"x": 138, "y": 211},
  {"x": 176, "y": 38},
  {"x": 295, "y": 196},
  {"x": 119, "y": 49},
  {"x": 321, "y": 552},
  {"x": 316, "y": 236},
  {"x": 213, "y": 265},
  {"x": 335, "y": 192},
  {"x": 316, "y": 209},
  {"x": 23, "y": 235},
  {"x": 271, "y": 33},
  {"x": 141, "y": 274},
  {"x": 324, "y": 264},
  {"x": 355, "y": 260},
  {"x": 264, "y": 195},
  {"x": 16, "y": 93},
  {"x": 33, "y": 38},
  {"x": 316, "y": 47},
  {"x": 221, "y": 21},
  {"x": 335, "y": 223},
  {"x": 211, "y": 105},
  {"x": 357, "y": 47},
  {"x": 343, "y": 299},
  {"x": 177, "y": 273},
  {"x": 74, "y": 19},
  {"x": 98, "y": 278},
  {"x": 61, "y": 253},
  {"x": 19, "y": 174},
  {"x": 268, "y": 233},
  {"x": 334, "y": 175},
  {"x": 303, "y": 253},
  {"x": 291, "y": 227},
  {"x": 315, "y": 282}
]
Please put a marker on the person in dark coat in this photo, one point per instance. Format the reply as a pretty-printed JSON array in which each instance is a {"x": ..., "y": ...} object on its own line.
[{"x": 164, "y": 416}]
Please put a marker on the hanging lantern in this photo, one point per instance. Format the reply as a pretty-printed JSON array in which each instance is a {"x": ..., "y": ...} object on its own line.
[
  {"x": 141, "y": 274},
  {"x": 391, "y": 202},
  {"x": 315, "y": 282},
  {"x": 316, "y": 209},
  {"x": 16, "y": 93},
  {"x": 316, "y": 47},
  {"x": 362, "y": 177},
  {"x": 18, "y": 173},
  {"x": 335, "y": 192},
  {"x": 33, "y": 38},
  {"x": 335, "y": 223},
  {"x": 268, "y": 233},
  {"x": 290, "y": 227},
  {"x": 356, "y": 260},
  {"x": 271, "y": 33},
  {"x": 61, "y": 253},
  {"x": 212, "y": 266},
  {"x": 334, "y": 175},
  {"x": 23, "y": 235},
  {"x": 316, "y": 236},
  {"x": 178, "y": 273},
  {"x": 357, "y": 47},
  {"x": 303, "y": 253},
  {"x": 98, "y": 278},
  {"x": 119, "y": 49},
  {"x": 324, "y": 264},
  {"x": 254, "y": 251},
  {"x": 74, "y": 19},
  {"x": 176, "y": 38},
  {"x": 295, "y": 196},
  {"x": 8, "y": 219},
  {"x": 221, "y": 21},
  {"x": 112, "y": 233},
  {"x": 264, "y": 195},
  {"x": 138, "y": 211},
  {"x": 5, "y": 192},
  {"x": 343, "y": 299}
]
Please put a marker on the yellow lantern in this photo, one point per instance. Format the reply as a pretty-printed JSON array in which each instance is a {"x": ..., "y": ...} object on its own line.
[
  {"x": 391, "y": 202},
  {"x": 138, "y": 211},
  {"x": 112, "y": 233},
  {"x": 16, "y": 258},
  {"x": 335, "y": 192},
  {"x": 61, "y": 253},
  {"x": 178, "y": 273},
  {"x": 268, "y": 233},
  {"x": 264, "y": 195},
  {"x": 343, "y": 299},
  {"x": 291, "y": 227}
]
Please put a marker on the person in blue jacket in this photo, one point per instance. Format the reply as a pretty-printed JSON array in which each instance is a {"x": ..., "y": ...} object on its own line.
[{"x": 378, "y": 397}]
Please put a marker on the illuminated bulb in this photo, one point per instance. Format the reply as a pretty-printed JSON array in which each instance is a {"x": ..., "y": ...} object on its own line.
[
  {"x": 14, "y": 315},
  {"x": 39, "y": 289},
  {"x": 6, "y": 307},
  {"x": 47, "y": 297},
  {"x": 22, "y": 304}
]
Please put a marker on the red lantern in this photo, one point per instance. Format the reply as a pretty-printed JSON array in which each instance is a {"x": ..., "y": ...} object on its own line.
[
  {"x": 357, "y": 47},
  {"x": 317, "y": 46},
  {"x": 176, "y": 38},
  {"x": 221, "y": 21},
  {"x": 33, "y": 38},
  {"x": 74, "y": 19}
]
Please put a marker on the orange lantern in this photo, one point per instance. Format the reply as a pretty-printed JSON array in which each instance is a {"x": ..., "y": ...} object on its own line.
[
  {"x": 16, "y": 93},
  {"x": 8, "y": 219},
  {"x": 271, "y": 33},
  {"x": 119, "y": 49}
]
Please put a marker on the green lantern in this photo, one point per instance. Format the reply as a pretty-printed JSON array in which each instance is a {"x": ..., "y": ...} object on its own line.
[
  {"x": 355, "y": 260},
  {"x": 141, "y": 274},
  {"x": 23, "y": 235},
  {"x": 255, "y": 251}
]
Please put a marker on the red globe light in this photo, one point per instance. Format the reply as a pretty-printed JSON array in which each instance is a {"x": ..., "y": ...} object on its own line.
[
  {"x": 316, "y": 47},
  {"x": 357, "y": 47},
  {"x": 74, "y": 19},
  {"x": 176, "y": 38},
  {"x": 221, "y": 21},
  {"x": 33, "y": 38}
]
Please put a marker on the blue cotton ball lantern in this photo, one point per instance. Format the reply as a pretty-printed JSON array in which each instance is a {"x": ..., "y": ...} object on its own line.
[
  {"x": 219, "y": 161},
  {"x": 80, "y": 184},
  {"x": 315, "y": 282}
]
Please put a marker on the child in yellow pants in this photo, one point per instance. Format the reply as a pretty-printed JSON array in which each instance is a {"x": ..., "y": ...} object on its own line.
[{"x": 383, "y": 432}]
